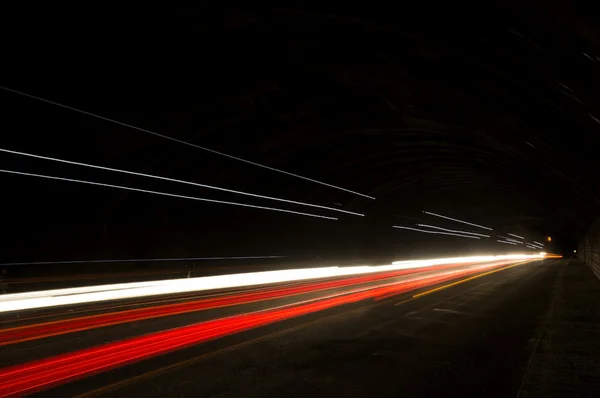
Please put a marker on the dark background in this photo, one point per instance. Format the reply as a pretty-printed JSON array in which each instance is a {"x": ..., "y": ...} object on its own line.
[{"x": 489, "y": 114}]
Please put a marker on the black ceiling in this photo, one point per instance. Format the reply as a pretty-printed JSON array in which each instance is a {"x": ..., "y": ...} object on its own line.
[{"x": 489, "y": 114}]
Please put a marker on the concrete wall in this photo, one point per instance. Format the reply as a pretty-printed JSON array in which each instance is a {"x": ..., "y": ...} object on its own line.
[{"x": 589, "y": 248}]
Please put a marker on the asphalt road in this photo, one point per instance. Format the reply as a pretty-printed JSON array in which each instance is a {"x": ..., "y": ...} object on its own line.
[{"x": 471, "y": 339}]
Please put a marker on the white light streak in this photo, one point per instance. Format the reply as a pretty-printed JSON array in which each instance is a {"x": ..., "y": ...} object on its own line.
[
  {"x": 435, "y": 232},
  {"x": 511, "y": 240},
  {"x": 452, "y": 230},
  {"x": 457, "y": 260},
  {"x": 89, "y": 294},
  {"x": 178, "y": 181},
  {"x": 531, "y": 145},
  {"x": 516, "y": 236},
  {"x": 454, "y": 219},
  {"x": 588, "y": 57},
  {"x": 535, "y": 241},
  {"x": 168, "y": 194},
  {"x": 183, "y": 142},
  {"x": 144, "y": 260},
  {"x": 507, "y": 242}
]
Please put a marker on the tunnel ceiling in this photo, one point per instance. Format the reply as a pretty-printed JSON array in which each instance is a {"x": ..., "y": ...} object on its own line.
[{"x": 490, "y": 115}]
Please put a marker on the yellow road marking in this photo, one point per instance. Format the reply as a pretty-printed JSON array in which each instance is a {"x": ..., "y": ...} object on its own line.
[
  {"x": 463, "y": 281},
  {"x": 150, "y": 374}
]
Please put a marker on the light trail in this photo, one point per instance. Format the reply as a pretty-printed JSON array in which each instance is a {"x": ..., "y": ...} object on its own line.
[
  {"x": 45, "y": 373},
  {"x": 507, "y": 242},
  {"x": 184, "y": 142},
  {"x": 437, "y": 289},
  {"x": 516, "y": 236},
  {"x": 89, "y": 294},
  {"x": 144, "y": 260},
  {"x": 49, "y": 372},
  {"x": 435, "y": 232},
  {"x": 453, "y": 230},
  {"x": 535, "y": 241},
  {"x": 464, "y": 260},
  {"x": 533, "y": 247},
  {"x": 510, "y": 239},
  {"x": 53, "y": 328},
  {"x": 167, "y": 194},
  {"x": 454, "y": 219},
  {"x": 179, "y": 181}
]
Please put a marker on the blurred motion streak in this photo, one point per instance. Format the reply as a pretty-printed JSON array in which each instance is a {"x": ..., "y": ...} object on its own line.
[
  {"x": 52, "y": 298},
  {"x": 41, "y": 374},
  {"x": 457, "y": 220},
  {"x": 172, "y": 195},
  {"x": 184, "y": 142},
  {"x": 30, "y": 332},
  {"x": 507, "y": 242},
  {"x": 93, "y": 166},
  {"x": 144, "y": 260},
  {"x": 54, "y": 328},
  {"x": 435, "y": 232},
  {"x": 453, "y": 230}
]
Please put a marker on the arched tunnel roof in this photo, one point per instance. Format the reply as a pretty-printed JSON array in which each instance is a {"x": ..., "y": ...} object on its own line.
[{"x": 490, "y": 115}]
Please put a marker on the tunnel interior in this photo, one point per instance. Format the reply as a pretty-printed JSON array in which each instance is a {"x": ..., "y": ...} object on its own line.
[
  {"x": 301, "y": 201},
  {"x": 493, "y": 119}
]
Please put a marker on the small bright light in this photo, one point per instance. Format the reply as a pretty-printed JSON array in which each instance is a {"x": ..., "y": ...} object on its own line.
[
  {"x": 542, "y": 253},
  {"x": 574, "y": 251},
  {"x": 549, "y": 239}
]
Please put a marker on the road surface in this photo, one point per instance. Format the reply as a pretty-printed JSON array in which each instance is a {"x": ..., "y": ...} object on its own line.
[{"x": 472, "y": 338}]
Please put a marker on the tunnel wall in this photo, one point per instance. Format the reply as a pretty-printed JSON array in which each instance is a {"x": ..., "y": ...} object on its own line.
[{"x": 589, "y": 248}]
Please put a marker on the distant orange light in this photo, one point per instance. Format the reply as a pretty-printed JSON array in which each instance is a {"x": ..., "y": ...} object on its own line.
[{"x": 549, "y": 239}]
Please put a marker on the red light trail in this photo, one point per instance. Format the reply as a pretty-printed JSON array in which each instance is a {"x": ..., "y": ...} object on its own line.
[
  {"x": 41, "y": 374},
  {"x": 47, "y": 329}
]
